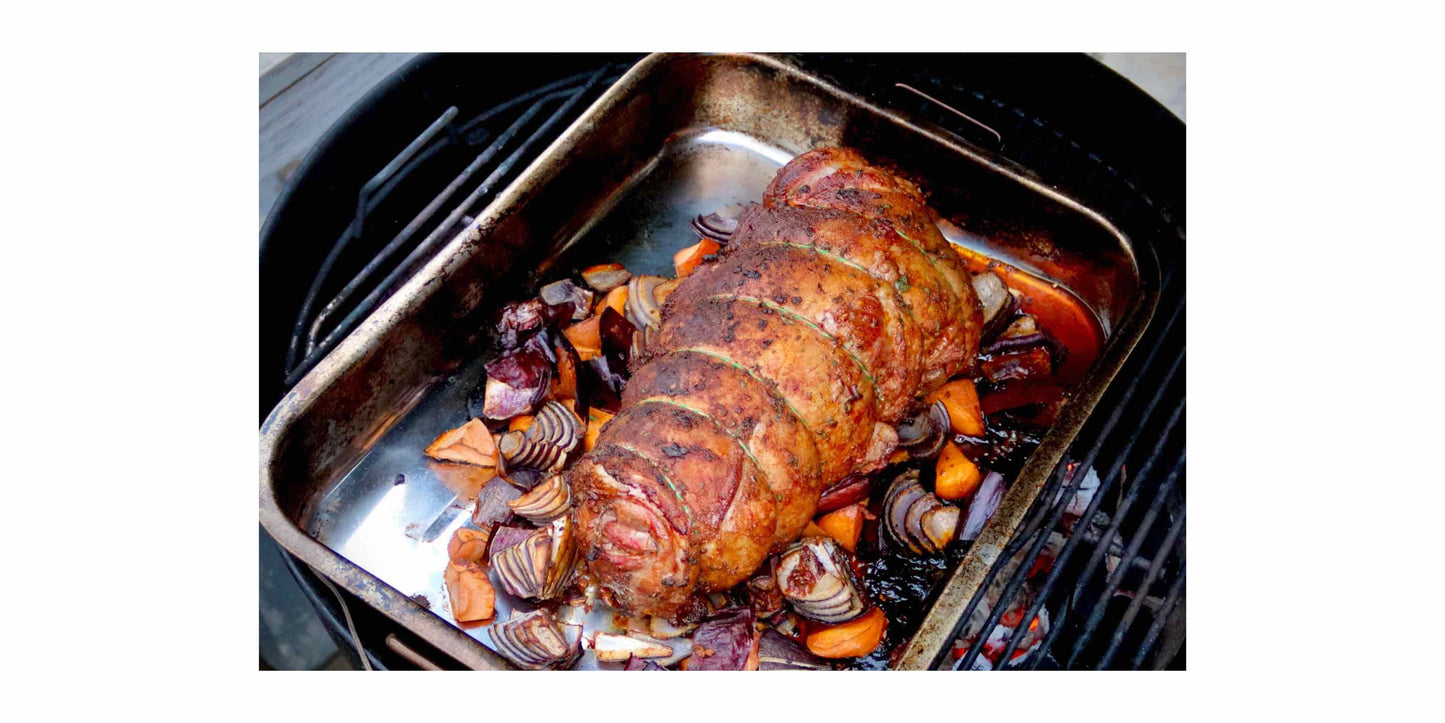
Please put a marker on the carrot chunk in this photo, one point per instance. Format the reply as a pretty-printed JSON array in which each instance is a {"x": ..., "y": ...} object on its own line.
[
  {"x": 586, "y": 338},
  {"x": 519, "y": 423},
  {"x": 688, "y": 259},
  {"x": 960, "y": 398},
  {"x": 844, "y": 525},
  {"x": 616, "y": 299},
  {"x": 957, "y": 476},
  {"x": 851, "y": 639},
  {"x": 595, "y": 419}
]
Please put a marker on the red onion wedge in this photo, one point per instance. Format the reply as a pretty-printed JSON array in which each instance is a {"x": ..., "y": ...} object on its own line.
[
  {"x": 723, "y": 642},
  {"x": 985, "y": 502}
]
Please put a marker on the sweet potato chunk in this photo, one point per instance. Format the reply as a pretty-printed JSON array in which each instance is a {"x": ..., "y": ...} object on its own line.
[
  {"x": 958, "y": 477},
  {"x": 470, "y": 443},
  {"x": 688, "y": 259},
  {"x": 960, "y": 398},
  {"x": 844, "y": 525},
  {"x": 472, "y": 595},
  {"x": 851, "y": 639}
]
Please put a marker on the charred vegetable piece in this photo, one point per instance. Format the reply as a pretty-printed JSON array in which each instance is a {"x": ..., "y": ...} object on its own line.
[
  {"x": 567, "y": 300},
  {"x": 1014, "y": 395},
  {"x": 998, "y": 303},
  {"x": 984, "y": 504},
  {"x": 957, "y": 476},
  {"x": 778, "y": 652},
  {"x": 815, "y": 575},
  {"x": 546, "y": 502},
  {"x": 1031, "y": 363},
  {"x": 844, "y": 492},
  {"x": 535, "y": 640},
  {"x": 844, "y": 525},
  {"x": 564, "y": 382},
  {"x": 469, "y": 545},
  {"x": 617, "y": 333},
  {"x": 470, "y": 443},
  {"x": 852, "y": 639},
  {"x": 688, "y": 259},
  {"x": 471, "y": 593},
  {"x": 492, "y": 502},
  {"x": 605, "y": 277},
  {"x": 724, "y": 642},
  {"x": 517, "y": 383},
  {"x": 960, "y": 398}
]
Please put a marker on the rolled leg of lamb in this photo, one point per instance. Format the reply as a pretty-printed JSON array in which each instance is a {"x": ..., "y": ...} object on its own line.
[{"x": 777, "y": 370}]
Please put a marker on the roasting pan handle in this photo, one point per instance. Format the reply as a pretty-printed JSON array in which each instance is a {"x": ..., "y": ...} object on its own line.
[
  {"x": 997, "y": 142},
  {"x": 409, "y": 653}
]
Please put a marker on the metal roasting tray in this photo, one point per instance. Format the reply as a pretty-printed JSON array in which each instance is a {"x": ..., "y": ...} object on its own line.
[{"x": 676, "y": 136}]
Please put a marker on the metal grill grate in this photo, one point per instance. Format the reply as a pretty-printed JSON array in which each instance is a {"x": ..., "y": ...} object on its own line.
[
  {"x": 536, "y": 117},
  {"x": 1133, "y": 527}
]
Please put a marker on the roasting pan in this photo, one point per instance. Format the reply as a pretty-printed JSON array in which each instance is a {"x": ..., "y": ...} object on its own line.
[{"x": 344, "y": 486}]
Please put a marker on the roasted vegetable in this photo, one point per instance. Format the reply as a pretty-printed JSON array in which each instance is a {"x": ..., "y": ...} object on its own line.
[
  {"x": 915, "y": 518},
  {"x": 777, "y": 652},
  {"x": 957, "y": 477},
  {"x": 539, "y": 566},
  {"x": 605, "y": 277},
  {"x": 982, "y": 507},
  {"x": 471, "y": 593},
  {"x": 469, "y": 545},
  {"x": 846, "y": 491},
  {"x": 724, "y": 642},
  {"x": 535, "y": 640},
  {"x": 566, "y": 300},
  {"x": 546, "y": 502},
  {"x": 960, "y": 399},
  {"x": 844, "y": 525},
  {"x": 493, "y": 502},
  {"x": 517, "y": 383},
  {"x": 688, "y": 259},
  {"x": 470, "y": 443},
  {"x": 816, "y": 577},
  {"x": 852, "y": 639}
]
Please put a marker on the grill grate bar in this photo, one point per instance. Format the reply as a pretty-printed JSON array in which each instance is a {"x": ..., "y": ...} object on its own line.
[
  {"x": 371, "y": 195},
  {"x": 1052, "y": 512},
  {"x": 426, "y": 213},
  {"x": 1076, "y": 539},
  {"x": 1096, "y": 612},
  {"x": 1161, "y": 617},
  {"x": 571, "y": 97},
  {"x": 1143, "y": 591}
]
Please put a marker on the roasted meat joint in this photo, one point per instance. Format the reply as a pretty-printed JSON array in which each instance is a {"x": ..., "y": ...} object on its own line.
[{"x": 764, "y": 461}]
